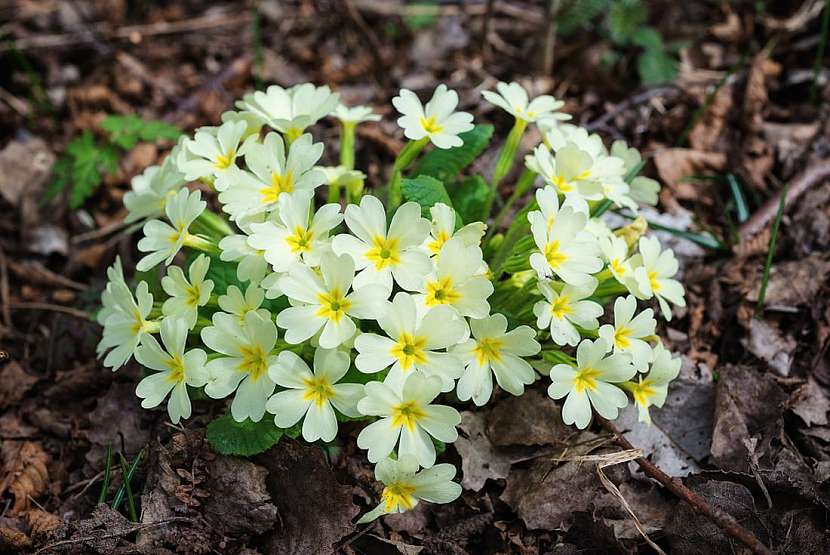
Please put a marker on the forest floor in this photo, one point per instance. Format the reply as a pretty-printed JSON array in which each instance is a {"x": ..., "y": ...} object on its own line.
[{"x": 741, "y": 122}]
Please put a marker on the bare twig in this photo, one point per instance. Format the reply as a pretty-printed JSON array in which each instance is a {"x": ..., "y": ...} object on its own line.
[
  {"x": 550, "y": 37},
  {"x": 631, "y": 102},
  {"x": 52, "y": 308},
  {"x": 813, "y": 175},
  {"x": 5, "y": 310},
  {"x": 722, "y": 519},
  {"x": 121, "y": 533}
]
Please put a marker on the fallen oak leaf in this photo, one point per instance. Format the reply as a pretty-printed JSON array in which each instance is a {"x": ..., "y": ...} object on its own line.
[
  {"x": 675, "y": 164},
  {"x": 24, "y": 473}
]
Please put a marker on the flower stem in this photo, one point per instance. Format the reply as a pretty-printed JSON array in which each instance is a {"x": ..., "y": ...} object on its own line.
[
  {"x": 403, "y": 161},
  {"x": 522, "y": 185},
  {"x": 347, "y": 144},
  {"x": 211, "y": 224},
  {"x": 505, "y": 161},
  {"x": 201, "y": 243}
]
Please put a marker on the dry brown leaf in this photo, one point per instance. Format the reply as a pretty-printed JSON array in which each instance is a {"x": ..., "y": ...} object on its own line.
[
  {"x": 42, "y": 522},
  {"x": 709, "y": 132},
  {"x": 13, "y": 541},
  {"x": 674, "y": 164},
  {"x": 14, "y": 383},
  {"x": 24, "y": 472},
  {"x": 761, "y": 69}
]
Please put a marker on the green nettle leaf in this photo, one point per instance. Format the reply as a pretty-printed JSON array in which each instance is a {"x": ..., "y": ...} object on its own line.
[
  {"x": 577, "y": 15},
  {"x": 126, "y": 131},
  {"x": 446, "y": 163},
  {"x": 246, "y": 438},
  {"x": 426, "y": 191},
  {"x": 470, "y": 199},
  {"x": 624, "y": 18},
  {"x": 654, "y": 64}
]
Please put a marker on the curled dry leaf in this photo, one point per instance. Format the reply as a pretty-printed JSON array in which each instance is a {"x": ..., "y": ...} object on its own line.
[
  {"x": 675, "y": 164},
  {"x": 24, "y": 473}
]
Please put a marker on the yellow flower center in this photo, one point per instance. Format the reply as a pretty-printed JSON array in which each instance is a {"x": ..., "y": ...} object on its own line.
[
  {"x": 561, "y": 183},
  {"x": 300, "y": 240},
  {"x": 586, "y": 378},
  {"x": 621, "y": 337},
  {"x": 435, "y": 245},
  {"x": 617, "y": 267},
  {"x": 280, "y": 183},
  {"x": 441, "y": 292},
  {"x": 561, "y": 307},
  {"x": 553, "y": 255},
  {"x": 384, "y": 252},
  {"x": 430, "y": 125},
  {"x": 176, "y": 366},
  {"x": 398, "y": 495},
  {"x": 293, "y": 133},
  {"x": 194, "y": 292},
  {"x": 488, "y": 350},
  {"x": 409, "y": 350},
  {"x": 642, "y": 392},
  {"x": 318, "y": 389},
  {"x": 333, "y": 305},
  {"x": 254, "y": 361},
  {"x": 652, "y": 279},
  {"x": 407, "y": 414},
  {"x": 225, "y": 161}
]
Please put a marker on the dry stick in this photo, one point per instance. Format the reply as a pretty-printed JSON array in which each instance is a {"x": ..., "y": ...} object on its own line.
[
  {"x": 52, "y": 308},
  {"x": 119, "y": 534},
  {"x": 813, "y": 175},
  {"x": 722, "y": 519}
]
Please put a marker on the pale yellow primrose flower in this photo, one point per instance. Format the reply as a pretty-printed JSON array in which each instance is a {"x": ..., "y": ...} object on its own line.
[
  {"x": 355, "y": 114},
  {"x": 164, "y": 240},
  {"x": 562, "y": 310},
  {"x": 186, "y": 296},
  {"x": 234, "y": 302},
  {"x": 405, "y": 486},
  {"x": 290, "y": 111},
  {"x": 653, "y": 270},
  {"x": 212, "y": 153},
  {"x": 591, "y": 383},
  {"x": 176, "y": 369},
  {"x": 295, "y": 236},
  {"x": 565, "y": 250},
  {"x": 643, "y": 189},
  {"x": 406, "y": 415},
  {"x": 513, "y": 99},
  {"x": 248, "y": 356},
  {"x": 382, "y": 255},
  {"x": 494, "y": 350},
  {"x": 313, "y": 394},
  {"x": 272, "y": 174},
  {"x": 151, "y": 190},
  {"x": 438, "y": 120},
  {"x": 412, "y": 343},
  {"x": 652, "y": 389},
  {"x": 629, "y": 333},
  {"x": 323, "y": 302},
  {"x": 443, "y": 229}
]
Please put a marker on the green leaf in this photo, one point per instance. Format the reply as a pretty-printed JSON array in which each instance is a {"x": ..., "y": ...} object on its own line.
[
  {"x": 446, "y": 163},
  {"x": 246, "y": 438},
  {"x": 125, "y": 131},
  {"x": 624, "y": 18},
  {"x": 223, "y": 275},
  {"x": 577, "y": 15},
  {"x": 470, "y": 198},
  {"x": 654, "y": 64},
  {"x": 426, "y": 191},
  {"x": 519, "y": 259}
]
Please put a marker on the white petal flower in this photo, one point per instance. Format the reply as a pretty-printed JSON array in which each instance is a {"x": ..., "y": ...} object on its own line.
[
  {"x": 643, "y": 189},
  {"x": 272, "y": 174},
  {"x": 570, "y": 171},
  {"x": 407, "y": 415},
  {"x": 654, "y": 272},
  {"x": 590, "y": 383},
  {"x": 564, "y": 134},
  {"x": 323, "y": 302},
  {"x": 494, "y": 350},
  {"x": 161, "y": 239},
  {"x": 652, "y": 389},
  {"x": 294, "y": 237},
  {"x": 382, "y": 255},
  {"x": 564, "y": 309},
  {"x": 615, "y": 253},
  {"x": 124, "y": 319},
  {"x": 186, "y": 296},
  {"x": 355, "y": 114},
  {"x": 245, "y": 365},
  {"x": 541, "y": 221},
  {"x": 253, "y": 123},
  {"x": 234, "y": 302},
  {"x": 567, "y": 251},
  {"x": 176, "y": 369},
  {"x": 251, "y": 263},
  {"x": 512, "y": 98},
  {"x": 457, "y": 281},
  {"x": 313, "y": 394},
  {"x": 150, "y": 190},
  {"x": 438, "y": 120},
  {"x": 404, "y": 486},
  {"x": 212, "y": 154},
  {"x": 443, "y": 229},
  {"x": 290, "y": 111},
  {"x": 412, "y": 343},
  {"x": 629, "y": 333}
]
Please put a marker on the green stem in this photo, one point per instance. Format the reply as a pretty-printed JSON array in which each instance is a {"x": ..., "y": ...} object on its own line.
[
  {"x": 517, "y": 230},
  {"x": 334, "y": 190},
  {"x": 610, "y": 288},
  {"x": 200, "y": 243},
  {"x": 522, "y": 185},
  {"x": 505, "y": 161},
  {"x": 825, "y": 27},
  {"x": 130, "y": 500},
  {"x": 347, "y": 145},
  {"x": 211, "y": 224},
  {"x": 404, "y": 159},
  {"x": 102, "y": 497}
]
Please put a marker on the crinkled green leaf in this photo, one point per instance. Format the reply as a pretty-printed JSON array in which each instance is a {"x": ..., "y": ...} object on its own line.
[
  {"x": 624, "y": 18},
  {"x": 445, "y": 164},
  {"x": 246, "y": 438},
  {"x": 223, "y": 275},
  {"x": 125, "y": 131},
  {"x": 426, "y": 191},
  {"x": 470, "y": 199}
]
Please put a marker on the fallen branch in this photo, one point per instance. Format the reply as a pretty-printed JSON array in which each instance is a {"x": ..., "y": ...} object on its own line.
[
  {"x": 722, "y": 519},
  {"x": 800, "y": 184},
  {"x": 52, "y": 308},
  {"x": 121, "y": 533}
]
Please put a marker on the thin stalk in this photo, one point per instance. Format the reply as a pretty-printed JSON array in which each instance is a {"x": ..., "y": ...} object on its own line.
[
  {"x": 102, "y": 497},
  {"x": 403, "y": 161},
  {"x": 522, "y": 185},
  {"x": 119, "y": 495},
  {"x": 771, "y": 252},
  {"x": 822, "y": 45},
  {"x": 347, "y": 133},
  {"x": 505, "y": 161},
  {"x": 130, "y": 500}
]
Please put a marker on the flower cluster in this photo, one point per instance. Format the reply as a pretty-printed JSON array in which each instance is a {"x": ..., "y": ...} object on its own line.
[{"x": 312, "y": 314}]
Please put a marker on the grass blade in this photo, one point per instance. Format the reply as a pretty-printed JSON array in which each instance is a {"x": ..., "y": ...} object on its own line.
[
  {"x": 771, "y": 252},
  {"x": 822, "y": 45},
  {"x": 119, "y": 495},
  {"x": 741, "y": 207},
  {"x": 102, "y": 497},
  {"x": 125, "y": 472}
]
